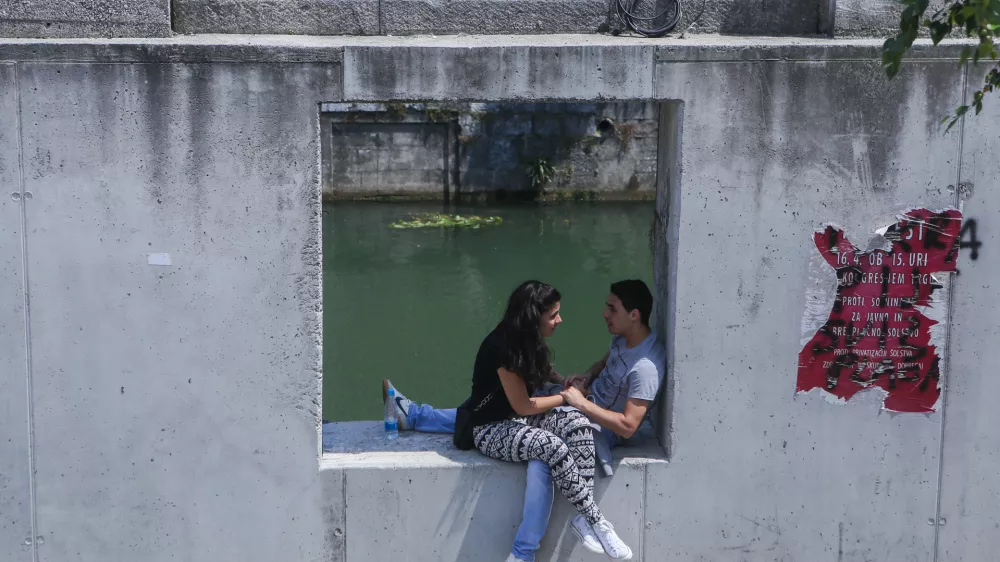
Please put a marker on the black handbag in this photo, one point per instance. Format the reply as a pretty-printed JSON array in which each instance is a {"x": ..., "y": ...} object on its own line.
[{"x": 463, "y": 438}]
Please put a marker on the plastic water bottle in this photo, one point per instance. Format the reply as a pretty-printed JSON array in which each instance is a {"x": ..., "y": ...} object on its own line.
[{"x": 391, "y": 421}]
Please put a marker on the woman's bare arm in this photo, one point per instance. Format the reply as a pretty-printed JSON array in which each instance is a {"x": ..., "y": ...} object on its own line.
[{"x": 517, "y": 395}]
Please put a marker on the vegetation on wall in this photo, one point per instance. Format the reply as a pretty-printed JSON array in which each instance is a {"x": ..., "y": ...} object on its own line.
[
  {"x": 978, "y": 19},
  {"x": 540, "y": 172}
]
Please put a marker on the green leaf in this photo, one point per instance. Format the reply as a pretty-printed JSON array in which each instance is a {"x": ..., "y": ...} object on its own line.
[
  {"x": 985, "y": 48},
  {"x": 939, "y": 31},
  {"x": 964, "y": 58}
]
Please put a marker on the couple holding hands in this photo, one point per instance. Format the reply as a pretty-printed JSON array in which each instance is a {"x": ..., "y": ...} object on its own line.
[{"x": 522, "y": 410}]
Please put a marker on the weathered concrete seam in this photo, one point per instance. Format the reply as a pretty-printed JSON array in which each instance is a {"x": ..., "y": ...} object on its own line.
[
  {"x": 26, "y": 295},
  {"x": 947, "y": 337},
  {"x": 643, "y": 500},
  {"x": 343, "y": 488},
  {"x": 166, "y": 53}
]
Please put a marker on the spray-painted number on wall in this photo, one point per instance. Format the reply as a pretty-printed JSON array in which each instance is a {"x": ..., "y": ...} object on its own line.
[{"x": 969, "y": 230}]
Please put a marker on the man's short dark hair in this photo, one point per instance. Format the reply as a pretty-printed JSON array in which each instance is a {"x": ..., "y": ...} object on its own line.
[{"x": 634, "y": 295}]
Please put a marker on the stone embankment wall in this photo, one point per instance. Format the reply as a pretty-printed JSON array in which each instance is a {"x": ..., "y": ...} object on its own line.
[
  {"x": 159, "y": 18},
  {"x": 468, "y": 151}
]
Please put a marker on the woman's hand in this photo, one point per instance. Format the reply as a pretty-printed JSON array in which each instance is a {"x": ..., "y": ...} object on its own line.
[
  {"x": 573, "y": 397},
  {"x": 576, "y": 380}
]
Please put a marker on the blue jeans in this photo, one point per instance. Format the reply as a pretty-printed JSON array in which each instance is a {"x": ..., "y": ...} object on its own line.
[
  {"x": 537, "y": 490},
  {"x": 537, "y": 509},
  {"x": 426, "y": 419}
]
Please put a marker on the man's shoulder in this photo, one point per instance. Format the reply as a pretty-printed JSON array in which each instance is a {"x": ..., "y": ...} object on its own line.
[
  {"x": 652, "y": 360},
  {"x": 646, "y": 366},
  {"x": 653, "y": 350}
]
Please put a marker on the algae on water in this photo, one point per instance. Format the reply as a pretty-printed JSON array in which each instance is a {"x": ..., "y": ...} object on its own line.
[{"x": 441, "y": 220}]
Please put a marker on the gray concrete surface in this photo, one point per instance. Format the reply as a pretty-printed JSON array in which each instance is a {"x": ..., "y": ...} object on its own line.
[
  {"x": 85, "y": 18},
  {"x": 867, "y": 18},
  {"x": 160, "y": 18},
  {"x": 442, "y": 17},
  {"x": 483, "y": 73},
  {"x": 171, "y": 402},
  {"x": 309, "y": 17},
  {"x": 15, "y": 500},
  {"x": 872, "y": 18},
  {"x": 772, "y": 151},
  {"x": 418, "y": 17},
  {"x": 464, "y": 505},
  {"x": 970, "y": 436},
  {"x": 755, "y": 17},
  {"x": 176, "y": 407}
]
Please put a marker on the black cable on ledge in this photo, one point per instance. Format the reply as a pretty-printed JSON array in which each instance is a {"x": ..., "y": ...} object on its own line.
[{"x": 626, "y": 12}]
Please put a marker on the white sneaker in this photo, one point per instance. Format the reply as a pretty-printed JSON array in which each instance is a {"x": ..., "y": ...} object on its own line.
[
  {"x": 513, "y": 558},
  {"x": 585, "y": 531},
  {"x": 402, "y": 404},
  {"x": 613, "y": 546}
]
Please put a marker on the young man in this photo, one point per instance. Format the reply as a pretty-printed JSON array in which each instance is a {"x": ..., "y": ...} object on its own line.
[{"x": 621, "y": 387}]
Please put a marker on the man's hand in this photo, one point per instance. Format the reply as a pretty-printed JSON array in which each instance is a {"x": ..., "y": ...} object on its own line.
[
  {"x": 578, "y": 381},
  {"x": 574, "y": 397}
]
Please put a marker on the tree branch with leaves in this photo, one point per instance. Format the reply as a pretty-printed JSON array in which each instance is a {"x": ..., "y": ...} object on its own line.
[{"x": 980, "y": 19}]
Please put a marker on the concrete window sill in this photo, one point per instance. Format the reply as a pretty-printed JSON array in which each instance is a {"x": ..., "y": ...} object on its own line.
[
  {"x": 405, "y": 499},
  {"x": 363, "y": 444}
]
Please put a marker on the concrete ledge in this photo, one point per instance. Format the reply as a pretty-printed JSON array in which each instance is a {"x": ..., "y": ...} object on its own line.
[
  {"x": 85, "y": 18},
  {"x": 462, "y": 51},
  {"x": 418, "y": 498},
  {"x": 189, "y": 49}
]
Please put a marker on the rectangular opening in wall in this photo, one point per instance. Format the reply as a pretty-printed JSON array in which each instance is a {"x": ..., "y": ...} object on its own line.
[{"x": 433, "y": 213}]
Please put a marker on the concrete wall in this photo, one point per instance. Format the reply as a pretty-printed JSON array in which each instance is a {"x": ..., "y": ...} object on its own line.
[
  {"x": 15, "y": 489},
  {"x": 484, "y": 150},
  {"x": 867, "y": 18},
  {"x": 872, "y": 18},
  {"x": 804, "y": 144},
  {"x": 174, "y": 409},
  {"x": 443, "y": 17},
  {"x": 159, "y": 18},
  {"x": 87, "y": 18},
  {"x": 970, "y": 438}
]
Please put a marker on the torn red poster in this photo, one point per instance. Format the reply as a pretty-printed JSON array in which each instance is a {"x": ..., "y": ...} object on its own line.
[{"x": 877, "y": 333}]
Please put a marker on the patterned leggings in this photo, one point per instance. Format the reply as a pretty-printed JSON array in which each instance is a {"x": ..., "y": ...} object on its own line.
[{"x": 563, "y": 440}]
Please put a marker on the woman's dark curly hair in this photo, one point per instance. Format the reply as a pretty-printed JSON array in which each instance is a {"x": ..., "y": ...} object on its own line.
[{"x": 526, "y": 352}]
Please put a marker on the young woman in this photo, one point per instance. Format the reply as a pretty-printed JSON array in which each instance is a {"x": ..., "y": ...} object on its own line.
[{"x": 511, "y": 425}]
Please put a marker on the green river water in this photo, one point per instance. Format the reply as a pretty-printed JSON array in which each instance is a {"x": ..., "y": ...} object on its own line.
[{"x": 413, "y": 305}]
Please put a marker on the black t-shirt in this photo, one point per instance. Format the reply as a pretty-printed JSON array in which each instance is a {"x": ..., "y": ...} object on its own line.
[{"x": 486, "y": 381}]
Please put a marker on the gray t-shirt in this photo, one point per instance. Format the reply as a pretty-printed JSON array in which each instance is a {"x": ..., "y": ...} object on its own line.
[{"x": 629, "y": 373}]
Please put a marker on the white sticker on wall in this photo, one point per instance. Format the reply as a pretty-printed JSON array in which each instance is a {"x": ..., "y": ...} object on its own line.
[{"x": 158, "y": 259}]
